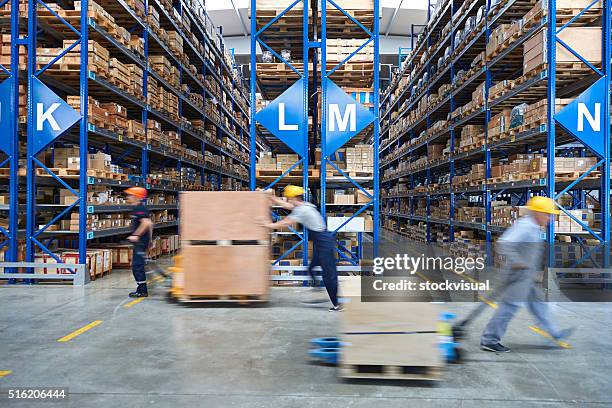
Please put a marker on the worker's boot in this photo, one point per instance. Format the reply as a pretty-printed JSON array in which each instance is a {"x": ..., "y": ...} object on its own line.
[{"x": 141, "y": 291}]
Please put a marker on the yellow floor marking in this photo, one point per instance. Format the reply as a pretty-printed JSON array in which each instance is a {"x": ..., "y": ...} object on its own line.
[
  {"x": 155, "y": 279},
  {"x": 548, "y": 336},
  {"x": 5, "y": 373},
  {"x": 79, "y": 331},
  {"x": 488, "y": 302},
  {"x": 133, "y": 302}
]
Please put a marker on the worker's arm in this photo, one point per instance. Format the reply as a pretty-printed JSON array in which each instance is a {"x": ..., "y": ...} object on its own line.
[
  {"x": 145, "y": 227},
  {"x": 285, "y": 222}
]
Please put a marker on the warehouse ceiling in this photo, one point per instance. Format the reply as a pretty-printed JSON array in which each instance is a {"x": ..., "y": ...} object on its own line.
[{"x": 397, "y": 16}]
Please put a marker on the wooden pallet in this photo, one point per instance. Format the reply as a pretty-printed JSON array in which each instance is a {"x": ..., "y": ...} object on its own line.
[
  {"x": 389, "y": 372},
  {"x": 569, "y": 176},
  {"x": 238, "y": 299},
  {"x": 108, "y": 175},
  {"x": 474, "y": 146}
]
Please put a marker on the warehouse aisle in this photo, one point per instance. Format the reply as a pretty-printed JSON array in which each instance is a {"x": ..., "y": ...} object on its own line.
[{"x": 153, "y": 353}]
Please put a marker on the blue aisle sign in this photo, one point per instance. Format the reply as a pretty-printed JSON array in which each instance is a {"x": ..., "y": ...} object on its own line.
[
  {"x": 284, "y": 117},
  {"x": 583, "y": 117},
  {"x": 52, "y": 116},
  {"x": 6, "y": 116},
  {"x": 345, "y": 117}
]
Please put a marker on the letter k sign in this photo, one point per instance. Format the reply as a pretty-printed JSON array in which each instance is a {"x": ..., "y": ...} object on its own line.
[{"x": 52, "y": 115}]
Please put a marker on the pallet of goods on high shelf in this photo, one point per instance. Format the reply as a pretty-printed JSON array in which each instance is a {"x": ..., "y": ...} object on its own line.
[
  {"x": 97, "y": 59},
  {"x": 339, "y": 49},
  {"x": 586, "y": 41},
  {"x": 270, "y": 165}
]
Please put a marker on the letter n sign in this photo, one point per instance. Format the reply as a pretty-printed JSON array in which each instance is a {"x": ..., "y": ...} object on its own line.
[
  {"x": 52, "y": 116},
  {"x": 284, "y": 117},
  {"x": 345, "y": 118},
  {"x": 583, "y": 117}
]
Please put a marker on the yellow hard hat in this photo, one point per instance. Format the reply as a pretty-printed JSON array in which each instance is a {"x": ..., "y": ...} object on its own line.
[
  {"x": 542, "y": 204},
  {"x": 293, "y": 191}
]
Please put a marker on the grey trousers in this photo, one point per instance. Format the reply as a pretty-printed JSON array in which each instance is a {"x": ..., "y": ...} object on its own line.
[{"x": 506, "y": 310}]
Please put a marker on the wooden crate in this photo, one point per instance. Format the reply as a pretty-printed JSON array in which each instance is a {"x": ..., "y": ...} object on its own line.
[
  {"x": 218, "y": 272},
  {"x": 229, "y": 215},
  {"x": 387, "y": 340}
]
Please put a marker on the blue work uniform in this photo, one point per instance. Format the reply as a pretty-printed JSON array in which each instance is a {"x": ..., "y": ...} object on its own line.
[
  {"x": 324, "y": 246},
  {"x": 140, "y": 248}
]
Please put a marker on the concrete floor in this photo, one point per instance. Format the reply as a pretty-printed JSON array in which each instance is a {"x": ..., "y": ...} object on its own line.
[{"x": 159, "y": 354}]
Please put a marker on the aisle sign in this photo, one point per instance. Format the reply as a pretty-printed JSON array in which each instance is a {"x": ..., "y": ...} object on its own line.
[
  {"x": 284, "y": 117},
  {"x": 584, "y": 118},
  {"x": 6, "y": 116},
  {"x": 345, "y": 117},
  {"x": 52, "y": 115}
]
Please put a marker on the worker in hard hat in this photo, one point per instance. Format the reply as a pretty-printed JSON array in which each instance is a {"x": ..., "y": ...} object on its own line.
[
  {"x": 522, "y": 247},
  {"x": 141, "y": 236},
  {"x": 324, "y": 242}
]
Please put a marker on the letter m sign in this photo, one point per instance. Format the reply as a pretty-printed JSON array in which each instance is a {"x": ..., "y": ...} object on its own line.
[{"x": 345, "y": 118}]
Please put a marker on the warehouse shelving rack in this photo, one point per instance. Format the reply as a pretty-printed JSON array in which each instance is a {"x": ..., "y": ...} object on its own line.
[
  {"x": 258, "y": 36},
  {"x": 543, "y": 85},
  {"x": 10, "y": 146},
  {"x": 131, "y": 153},
  {"x": 371, "y": 36},
  {"x": 314, "y": 52}
]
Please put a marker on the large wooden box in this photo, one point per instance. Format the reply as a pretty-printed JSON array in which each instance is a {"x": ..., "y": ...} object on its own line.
[
  {"x": 215, "y": 270},
  {"x": 391, "y": 340},
  {"x": 223, "y": 215}
]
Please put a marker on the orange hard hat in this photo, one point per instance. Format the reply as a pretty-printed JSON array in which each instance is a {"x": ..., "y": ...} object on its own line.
[{"x": 138, "y": 192}]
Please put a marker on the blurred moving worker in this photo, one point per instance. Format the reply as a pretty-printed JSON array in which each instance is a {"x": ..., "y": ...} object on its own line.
[
  {"x": 141, "y": 237},
  {"x": 522, "y": 245},
  {"x": 324, "y": 242}
]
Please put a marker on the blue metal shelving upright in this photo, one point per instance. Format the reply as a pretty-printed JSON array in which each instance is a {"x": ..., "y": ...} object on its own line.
[
  {"x": 372, "y": 36},
  {"x": 10, "y": 144},
  {"x": 33, "y": 232},
  {"x": 257, "y": 37}
]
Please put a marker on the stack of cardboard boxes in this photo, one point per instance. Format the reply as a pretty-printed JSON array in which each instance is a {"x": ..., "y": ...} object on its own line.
[
  {"x": 586, "y": 41},
  {"x": 360, "y": 159},
  {"x": 471, "y": 135}
]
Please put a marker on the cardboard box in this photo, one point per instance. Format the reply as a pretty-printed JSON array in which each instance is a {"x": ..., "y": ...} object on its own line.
[
  {"x": 344, "y": 199},
  {"x": 586, "y": 41},
  {"x": 361, "y": 198},
  {"x": 213, "y": 270},
  {"x": 223, "y": 215}
]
